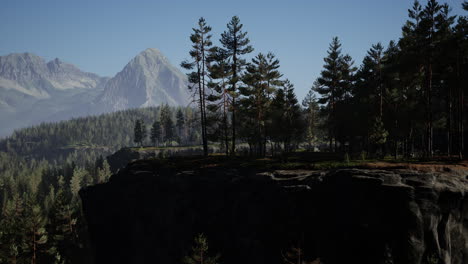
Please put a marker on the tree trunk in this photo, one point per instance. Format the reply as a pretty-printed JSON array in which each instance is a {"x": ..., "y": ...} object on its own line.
[
  {"x": 234, "y": 74},
  {"x": 205, "y": 140},
  {"x": 449, "y": 121},
  {"x": 233, "y": 147},
  {"x": 202, "y": 116},
  {"x": 396, "y": 139},
  {"x": 460, "y": 132},
  {"x": 226, "y": 141}
]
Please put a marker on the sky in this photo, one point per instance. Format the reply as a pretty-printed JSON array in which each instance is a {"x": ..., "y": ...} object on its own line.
[{"x": 102, "y": 36}]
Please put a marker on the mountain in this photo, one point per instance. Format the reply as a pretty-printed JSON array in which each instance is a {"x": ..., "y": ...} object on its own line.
[
  {"x": 31, "y": 75},
  {"x": 147, "y": 80},
  {"x": 33, "y": 90}
]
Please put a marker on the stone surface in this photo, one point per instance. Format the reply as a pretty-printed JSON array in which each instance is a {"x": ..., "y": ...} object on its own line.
[{"x": 149, "y": 214}]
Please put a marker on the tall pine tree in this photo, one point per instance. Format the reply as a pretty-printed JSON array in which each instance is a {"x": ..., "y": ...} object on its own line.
[
  {"x": 201, "y": 43},
  {"x": 235, "y": 44}
]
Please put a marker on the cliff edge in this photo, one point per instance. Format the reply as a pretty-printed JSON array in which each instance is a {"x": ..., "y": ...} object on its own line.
[{"x": 149, "y": 213}]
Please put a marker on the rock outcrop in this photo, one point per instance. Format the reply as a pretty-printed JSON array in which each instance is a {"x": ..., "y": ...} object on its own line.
[{"x": 150, "y": 214}]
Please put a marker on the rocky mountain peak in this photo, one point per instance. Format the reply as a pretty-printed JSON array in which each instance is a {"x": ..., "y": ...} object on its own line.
[{"x": 148, "y": 79}]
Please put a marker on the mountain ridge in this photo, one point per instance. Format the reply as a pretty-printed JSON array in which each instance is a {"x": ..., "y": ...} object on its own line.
[
  {"x": 33, "y": 90},
  {"x": 151, "y": 74}
]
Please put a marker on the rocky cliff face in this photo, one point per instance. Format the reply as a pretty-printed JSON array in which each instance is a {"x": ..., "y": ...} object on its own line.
[{"x": 150, "y": 214}]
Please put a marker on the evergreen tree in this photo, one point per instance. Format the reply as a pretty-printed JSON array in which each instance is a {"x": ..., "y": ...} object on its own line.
[
  {"x": 334, "y": 86},
  {"x": 235, "y": 44},
  {"x": 76, "y": 182},
  {"x": 293, "y": 119},
  {"x": 144, "y": 132},
  {"x": 138, "y": 133},
  {"x": 220, "y": 99},
  {"x": 374, "y": 58},
  {"x": 63, "y": 227},
  {"x": 180, "y": 124},
  {"x": 201, "y": 40},
  {"x": 288, "y": 125},
  {"x": 155, "y": 133},
  {"x": 35, "y": 233},
  {"x": 200, "y": 253},
  {"x": 378, "y": 134},
  {"x": 12, "y": 231},
  {"x": 261, "y": 79},
  {"x": 104, "y": 173},
  {"x": 311, "y": 112},
  {"x": 167, "y": 123}
]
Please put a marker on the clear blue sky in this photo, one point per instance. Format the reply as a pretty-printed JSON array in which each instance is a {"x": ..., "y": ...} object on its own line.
[{"x": 102, "y": 36}]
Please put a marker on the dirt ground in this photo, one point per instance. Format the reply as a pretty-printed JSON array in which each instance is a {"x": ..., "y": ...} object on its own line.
[{"x": 460, "y": 167}]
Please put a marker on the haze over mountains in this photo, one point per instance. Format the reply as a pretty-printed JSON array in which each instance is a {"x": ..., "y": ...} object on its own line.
[{"x": 34, "y": 91}]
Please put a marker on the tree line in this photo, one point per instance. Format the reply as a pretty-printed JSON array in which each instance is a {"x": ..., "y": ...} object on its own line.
[
  {"x": 102, "y": 134},
  {"x": 407, "y": 98},
  {"x": 240, "y": 101}
]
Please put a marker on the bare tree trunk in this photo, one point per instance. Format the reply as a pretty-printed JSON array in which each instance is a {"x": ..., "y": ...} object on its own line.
[
  {"x": 202, "y": 116},
  {"x": 396, "y": 139},
  {"x": 234, "y": 74},
  {"x": 449, "y": 121},
  {"x": 226, "y": 141},
  {"x": 203, "y": 73},
  {"x": 33, "y": 260},
  {"x": 460, "y": 132},
  {"x": 233, "y": 147}
]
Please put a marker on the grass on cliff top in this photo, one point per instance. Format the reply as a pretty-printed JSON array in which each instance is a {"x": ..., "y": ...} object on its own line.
[
  {"x": 294, "y": 161},
  {"x": 302, "y": 161}
]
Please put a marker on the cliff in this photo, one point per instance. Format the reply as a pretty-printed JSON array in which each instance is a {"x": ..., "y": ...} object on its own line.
[{"x": 149, "y": 213}]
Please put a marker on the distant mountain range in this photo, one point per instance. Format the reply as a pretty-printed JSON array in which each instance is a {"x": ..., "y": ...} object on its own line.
[{"x": 34, "y": 91}]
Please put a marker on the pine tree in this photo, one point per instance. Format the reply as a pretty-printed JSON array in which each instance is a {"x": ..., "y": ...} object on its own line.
[
  {"x": 428, "y": 30},
  {"x": 201, "y": 40},
  {"x": 378, "y": 133},
  {"x": 180, "y": 124},
  {"x": 329, "y": 87},
  {"x": 375, "y": 56},
  {"x": 235, "y": 44},
  {"x": 12, "y": 231},
  {"x": 104, "y": 173},
  {"x": 167, "y": 123},
  {"x": 220, "y": 99},
  {"x": 200, "y": 253},
  {"x": 311, "y": 108},
  {"x": 144, "y": 133},
  {"x": 261, "y": 79},
  {"x": 76, "y": 182},
  {"x": 293, "y": 118},
  {"x": 461, "y": 81},
  {"x": 295, "y": 255},
  {"x": 138, "y": 133},
  {"x": 396, "y": 98},
  {"x": 63, "y": 227},
  {"x": 35, "y": 232},
  {"x": 155, "y": 134}
]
